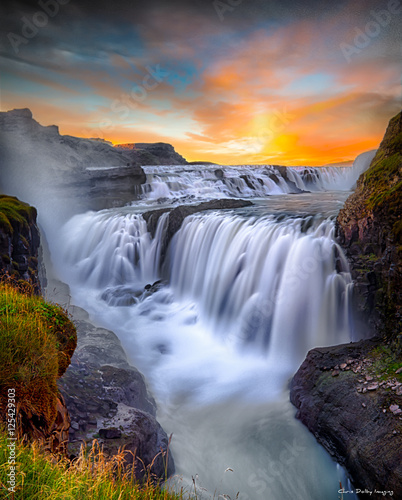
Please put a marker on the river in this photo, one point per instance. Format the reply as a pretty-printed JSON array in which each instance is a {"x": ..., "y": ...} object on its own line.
[{"x": 241, "y": 296}]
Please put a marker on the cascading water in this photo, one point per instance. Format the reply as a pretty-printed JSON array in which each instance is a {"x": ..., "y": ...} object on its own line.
[
  {"x": 199, "y": 182},
  {"x": 243, "y": 295}
]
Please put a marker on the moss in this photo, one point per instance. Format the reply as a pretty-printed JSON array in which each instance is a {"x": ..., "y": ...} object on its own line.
[
  {"x": 14, "y": 214},
  {"x": 385, "y": 362},
  {"x": 36, "y": 343},
  {"x": 384, "y": 180}
]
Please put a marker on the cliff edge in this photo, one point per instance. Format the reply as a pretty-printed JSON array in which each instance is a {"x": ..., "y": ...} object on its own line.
[{"x": 350, "y": 396}]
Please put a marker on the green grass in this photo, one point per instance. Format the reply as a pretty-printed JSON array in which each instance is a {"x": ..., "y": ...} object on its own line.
[
  {"x": 37, "y": 341},
  {"x": 14, "y": 214},
  {"x": 89, "y": 477}
]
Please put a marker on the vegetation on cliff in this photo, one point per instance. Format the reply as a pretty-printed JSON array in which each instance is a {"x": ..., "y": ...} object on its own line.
[
  {"x": 370, "y": 229},
  {"x": 19, "y": 241},
  {"x": 350, "y": 396},
  {"x": 37, "y": 341},
  {"x": 381, "y": 184},
  {"x": 89, "y": 477},
  {"x": 14, "y": 214}
]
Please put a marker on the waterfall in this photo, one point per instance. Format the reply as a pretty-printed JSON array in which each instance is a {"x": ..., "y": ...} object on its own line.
[
  {"x": 250, "y": 276},
  {"x": 247, "y": 275},
  {"x": 187, "y": 183},
  {"x": 220, "y": 319}
]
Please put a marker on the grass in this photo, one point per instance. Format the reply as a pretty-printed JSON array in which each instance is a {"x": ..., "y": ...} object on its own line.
[
  {"x": 14, "y": 214},
  {"x": 37, "y": 341},
  {"x": 89, "y": 477}
]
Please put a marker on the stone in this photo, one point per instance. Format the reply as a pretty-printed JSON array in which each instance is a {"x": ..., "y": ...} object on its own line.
[
  {"x": 351, "y": 433},
  {"x": 110, "y": 433},
  {"x": 83, "y": 174},
  {"x": 343, "y": 366},
  {"x": 372, "y": 387}
]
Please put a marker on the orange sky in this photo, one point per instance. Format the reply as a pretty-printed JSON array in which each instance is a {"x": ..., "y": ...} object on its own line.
[{"x": 283, "y": 94}]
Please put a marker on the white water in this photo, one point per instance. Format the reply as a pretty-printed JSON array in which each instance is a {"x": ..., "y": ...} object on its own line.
[
  {"x": 179, "y": 184},
  {"x": 245, "y": 295}
]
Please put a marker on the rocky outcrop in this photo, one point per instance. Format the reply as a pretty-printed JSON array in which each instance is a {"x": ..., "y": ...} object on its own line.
[
  {"x": 178, "y": 214},
  {"x": 19, "y": 241},
  {"x": 108, "y": 400},
  {"x": 370, "y": 230},
  {"x": 351, "y": 400},
  {"x": 62, "y": 173},
  {"x": 350, "y": 397},
  {"x": 158, "y": 153}
]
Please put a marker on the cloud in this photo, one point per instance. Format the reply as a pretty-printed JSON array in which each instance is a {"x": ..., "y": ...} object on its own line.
[{"x": 269, "y": 81}]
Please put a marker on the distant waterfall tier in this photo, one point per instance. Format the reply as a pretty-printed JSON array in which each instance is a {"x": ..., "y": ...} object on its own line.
[
  {"x": 280, "y": 286},
  {"x": 194, "y": 182}
]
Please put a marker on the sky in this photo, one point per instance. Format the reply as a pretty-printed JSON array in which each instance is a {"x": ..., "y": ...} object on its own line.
[{"x": 229, "y": 81}]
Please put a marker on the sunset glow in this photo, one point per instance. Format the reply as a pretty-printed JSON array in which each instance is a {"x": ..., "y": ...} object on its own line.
[{"x": 258, "y": 86}]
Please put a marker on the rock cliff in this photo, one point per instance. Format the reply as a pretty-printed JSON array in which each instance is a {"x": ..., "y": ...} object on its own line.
[
  {"x": 350, "y": 396},
  {"x": 37, "y": 339},
  {"x": 370, "y": 230},
  {"x": 158, "y": 153},
  {"x": 19, "y": 240},
  {"x": 54, "y": 171}
]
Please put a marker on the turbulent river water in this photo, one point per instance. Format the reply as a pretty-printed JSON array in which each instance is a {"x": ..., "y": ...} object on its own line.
[{"x": 242, "y": 296}]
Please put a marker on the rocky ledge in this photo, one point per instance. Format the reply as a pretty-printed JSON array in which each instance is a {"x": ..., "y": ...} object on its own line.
[
  {"x": 19, "y": 240},
  {"x": 369, "y": 228},
  {"x": 178, "y": 214},
  {"x": 107, "y": 398},
  {"x": 350, "y": 396},
  {"x": 158, "y": 153},
  {"x": 351, "y": 400}
]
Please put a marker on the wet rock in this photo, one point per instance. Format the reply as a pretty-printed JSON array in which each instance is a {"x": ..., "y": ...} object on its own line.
[
  {"x": 356, "y": 436},
  {"x": 178, "y": 214}
]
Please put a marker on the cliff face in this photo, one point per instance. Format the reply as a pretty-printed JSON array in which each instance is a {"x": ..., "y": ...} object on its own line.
[
  {"x": 19, "y": 240},
  {"x": 53, "y": 171},
  {"x": 350, "y": 396},
  {"x": 158, "y": 153},
  {"x": 370, "y": 230},
  {"x": 33, "y": 333}
]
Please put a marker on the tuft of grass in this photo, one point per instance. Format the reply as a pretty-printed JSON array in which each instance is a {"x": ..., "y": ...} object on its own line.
[
  {"x": 91, "y": 476},
  {"x": 15, "y": 214},
  {"x": 37, "y": 341}
]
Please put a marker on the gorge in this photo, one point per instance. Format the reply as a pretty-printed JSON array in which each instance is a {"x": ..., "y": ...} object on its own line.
[{"x": 217, "y": 281}]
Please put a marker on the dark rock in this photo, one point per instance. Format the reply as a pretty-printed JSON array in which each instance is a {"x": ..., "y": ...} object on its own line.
[
  {"x": 368, "y": 227},
  {"x": 349, "y": 414},
  {"x": 284, "y": 174},
  {"x": 113, "y": 401},
  {"x": 19, "y": 247},
  {"x": 247, "y": 181},
  {"x": 178, "y": 214},
  {"x": 351, "y": 426},
  {"x": 110, "y": 433},
  {"x": 219, "y": 173},
  {"x": 158, "y": 153}
]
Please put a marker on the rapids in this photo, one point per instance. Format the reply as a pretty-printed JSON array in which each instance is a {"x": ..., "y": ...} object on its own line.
[{"x": 219, "y": 323}]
